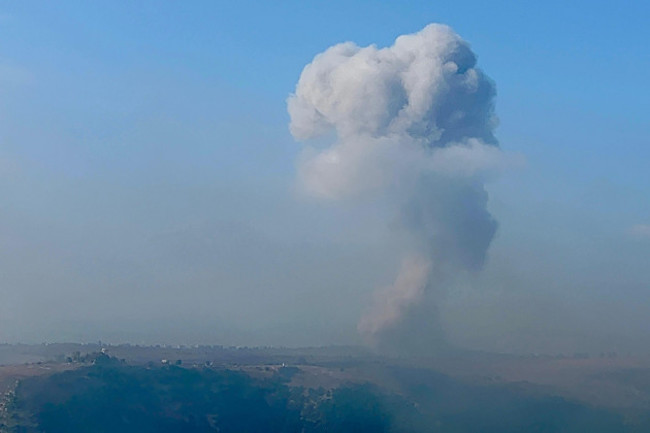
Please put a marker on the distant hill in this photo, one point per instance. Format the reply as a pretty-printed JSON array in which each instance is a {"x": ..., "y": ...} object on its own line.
[{"x": 112, "y": 396}]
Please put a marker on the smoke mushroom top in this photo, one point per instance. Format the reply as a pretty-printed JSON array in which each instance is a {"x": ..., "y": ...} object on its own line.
[{"x": 414, "y": 121}]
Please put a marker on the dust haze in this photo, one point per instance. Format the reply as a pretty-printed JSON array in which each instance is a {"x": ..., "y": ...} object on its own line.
[{"x": 178, "y": 210}]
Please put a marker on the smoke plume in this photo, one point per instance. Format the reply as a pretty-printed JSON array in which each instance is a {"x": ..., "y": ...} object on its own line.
[{"x": 412, "y": 123}]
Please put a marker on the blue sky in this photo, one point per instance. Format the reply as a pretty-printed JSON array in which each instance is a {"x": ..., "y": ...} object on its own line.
[
  {"x": 567, "y": 74},
  {"x": 123, "y": 123}
]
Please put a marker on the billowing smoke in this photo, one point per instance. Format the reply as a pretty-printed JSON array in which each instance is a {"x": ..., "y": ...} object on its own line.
[{"x": 413, "y": 124}]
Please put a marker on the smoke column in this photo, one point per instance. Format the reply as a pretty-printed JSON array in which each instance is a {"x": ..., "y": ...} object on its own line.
[{"x": 412, "y": 123}]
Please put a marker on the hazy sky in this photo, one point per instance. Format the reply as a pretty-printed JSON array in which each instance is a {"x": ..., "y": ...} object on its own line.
[{"x": 148, "y": 176}]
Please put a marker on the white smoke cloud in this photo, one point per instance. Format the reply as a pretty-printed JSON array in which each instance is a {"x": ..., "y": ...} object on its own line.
[{"x": 413, "y": 121}]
